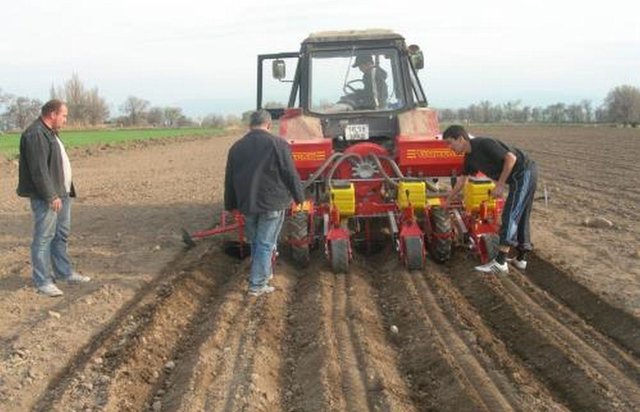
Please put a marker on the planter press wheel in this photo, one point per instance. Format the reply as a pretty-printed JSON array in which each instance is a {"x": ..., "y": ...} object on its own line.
[
  {"x": 298, "y": 232},
  {"x": 339, "y": 255},
  {"x": 440, "y": 247},
  {"x": 414, "y": 253},
  {"x": 490, "y": 243}
]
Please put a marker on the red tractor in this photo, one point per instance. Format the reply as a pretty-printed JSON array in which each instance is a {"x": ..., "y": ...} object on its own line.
[{"x": 368, "y": 150}]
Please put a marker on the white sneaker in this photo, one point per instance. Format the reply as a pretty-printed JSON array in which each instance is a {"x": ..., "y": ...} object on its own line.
[
  {"x": 77, "y": 278},
  {"x": 261, "y": 291},
  {"x": 493, "y": 267},
  {"x": 50, "y": 290},
  {"x": 519, "y": 264}
]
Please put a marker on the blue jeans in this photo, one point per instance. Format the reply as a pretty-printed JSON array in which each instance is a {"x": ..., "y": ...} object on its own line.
[
  {"x": 516, "y": 230},
  {"x": 49, "y": 247},
  {"x": 262, "y": 231}
]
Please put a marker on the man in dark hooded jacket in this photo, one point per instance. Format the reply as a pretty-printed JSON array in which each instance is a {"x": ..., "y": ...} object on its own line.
[{"x": 260, "y": 180}]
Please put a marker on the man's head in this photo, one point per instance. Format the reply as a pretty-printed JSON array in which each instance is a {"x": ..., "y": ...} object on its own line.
[
  {"x": 260, "y": 119},
  {"x": 54, "y": 114},
  {"x": 363, "y": 61},
  {"x": 457, "y": 138}
]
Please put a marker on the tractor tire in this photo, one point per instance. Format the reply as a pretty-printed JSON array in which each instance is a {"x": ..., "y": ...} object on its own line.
[
  {"x": 440, "y": 247},
  {"x": 298, "y": 232},
  {"x": 414, "y": 253},
  {"x": 340, "y": 255},
  {"x": 490, "y": 242}
]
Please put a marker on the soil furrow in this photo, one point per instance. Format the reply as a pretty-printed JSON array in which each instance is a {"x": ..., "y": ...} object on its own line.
[
  {"x": 387, "y": 390},
  {"x": 424, "y": 361},
  {"x": 306, "y": 368},
  {"x": 199, "y": 377},
  {"x": 571, "y": 382},
  {"x": 516, "y": 382},
  {"x": 475, "y": 377},
  {"x": 597, "y": 365},
  {"x": 619, "y": 325},
  {"x": 352, "y": 375}
]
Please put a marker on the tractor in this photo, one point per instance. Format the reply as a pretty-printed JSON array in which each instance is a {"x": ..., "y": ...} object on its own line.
[
  {"x": 370, "y": 155},
  {"x": 368, "y": 150}
]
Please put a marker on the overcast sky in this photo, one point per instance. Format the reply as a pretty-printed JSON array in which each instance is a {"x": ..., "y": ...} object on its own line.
[{"x": 201, "y": 55}]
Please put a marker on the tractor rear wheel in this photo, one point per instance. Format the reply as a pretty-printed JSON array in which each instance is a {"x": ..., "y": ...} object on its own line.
[
  {"x": 339, "y": 255},
  {"x": 440, "y": 243},
  {"x": 414, "y": 253},
  {"x": 298, "y": 234}
]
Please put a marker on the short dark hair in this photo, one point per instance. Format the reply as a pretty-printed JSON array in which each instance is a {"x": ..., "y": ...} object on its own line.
[
  {"x": 52, "y": 106},
  {"x": 259, "y": 117},
  {"x": 455, "y": 131},
  {"x": 362, "y": 59}
]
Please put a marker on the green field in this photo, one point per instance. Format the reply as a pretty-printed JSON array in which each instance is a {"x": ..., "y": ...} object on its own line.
[{"x": 10, "y": 143}]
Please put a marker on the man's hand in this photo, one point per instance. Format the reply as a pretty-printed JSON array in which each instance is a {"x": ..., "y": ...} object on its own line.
[
  {"x": 498, "y": 191},
  {"x": 56, "y": 204}
]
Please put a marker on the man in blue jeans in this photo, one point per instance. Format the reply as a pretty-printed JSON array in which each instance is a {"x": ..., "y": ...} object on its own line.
[
  {"x": 45, "y": 177},
  {"x": 506, "y": 165},
  {"x": 260, "y": 181}
]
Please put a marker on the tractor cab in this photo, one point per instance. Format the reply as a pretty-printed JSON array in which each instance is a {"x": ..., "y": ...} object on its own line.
[{"x": 350, "y": 85}]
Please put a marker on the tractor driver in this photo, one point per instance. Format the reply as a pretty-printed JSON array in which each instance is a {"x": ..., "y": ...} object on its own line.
[
  {"x": 374, "y": 78},
  {"x": 505, "y": 165}
]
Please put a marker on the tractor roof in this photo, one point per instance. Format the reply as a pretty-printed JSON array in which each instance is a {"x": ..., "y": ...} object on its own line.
[{"x": 352, "y": 35}]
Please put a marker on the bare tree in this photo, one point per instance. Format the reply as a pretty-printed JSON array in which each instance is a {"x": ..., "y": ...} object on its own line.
[
  {"x": 97, "y": 110},
  {"x": 213, "y": 120},
  {"x": 172, "y": 116},
  {"x": 86, "y": 107},
  {"x": 623, "y": 105},
  {"x": 134, "y": 108},
  {"x": 587, "y": 109},
  {"x": 155, "y": 116},
  {"x": 76, "y": 99},
  {"x": 20, "y": 112}
]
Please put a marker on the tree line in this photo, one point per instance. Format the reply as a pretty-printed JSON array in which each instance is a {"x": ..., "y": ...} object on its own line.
[
  {"x": 621, "y": 106},
  {"x": 87, "y": 108}
]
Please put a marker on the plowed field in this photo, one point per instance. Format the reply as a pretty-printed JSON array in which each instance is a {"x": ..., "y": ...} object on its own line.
[{"x": 165, "y": 328}]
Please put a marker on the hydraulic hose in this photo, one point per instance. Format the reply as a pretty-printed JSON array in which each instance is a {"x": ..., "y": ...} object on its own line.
[
  {"x": 337, "y": 163},
  {"x": 317, "y": 173}
]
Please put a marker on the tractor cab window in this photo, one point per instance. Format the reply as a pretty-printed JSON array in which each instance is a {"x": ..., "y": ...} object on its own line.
[{"x": 355, "y": 80}]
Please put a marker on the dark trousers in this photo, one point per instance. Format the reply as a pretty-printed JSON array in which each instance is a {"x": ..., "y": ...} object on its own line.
[{"x": 516, "y": 229}]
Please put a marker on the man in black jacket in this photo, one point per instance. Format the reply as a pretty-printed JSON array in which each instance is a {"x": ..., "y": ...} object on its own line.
[
  {"x": 45, "y": 178},
  {"x": 260, "y": 180},
  {"x": 505, "y": 165}
]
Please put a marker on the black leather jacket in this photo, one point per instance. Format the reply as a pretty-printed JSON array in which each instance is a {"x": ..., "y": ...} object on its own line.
[
  {"x": 40, "y": 172},
  {"x": 260, "y": 175}
]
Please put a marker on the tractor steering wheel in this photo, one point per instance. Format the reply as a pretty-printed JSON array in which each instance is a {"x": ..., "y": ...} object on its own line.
[{"x": 349, "y": 86}]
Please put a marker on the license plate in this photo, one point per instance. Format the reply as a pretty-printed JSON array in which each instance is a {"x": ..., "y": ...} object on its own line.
[{"x": 356, "y": 132}]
